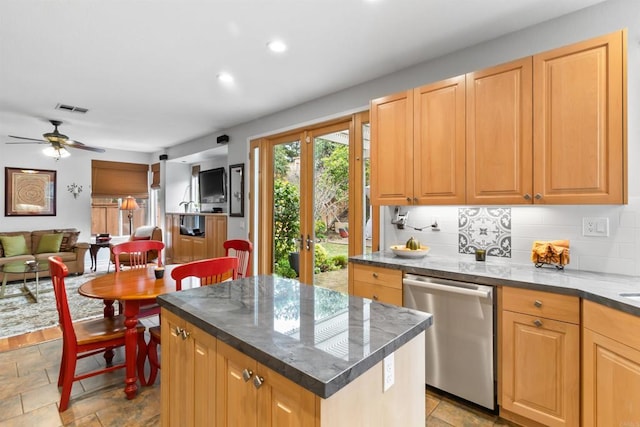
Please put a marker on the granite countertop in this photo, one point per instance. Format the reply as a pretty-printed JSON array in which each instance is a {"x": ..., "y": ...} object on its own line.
[
  {"x": 318, "y": 338},
  {"x": 598, "y": 287}
]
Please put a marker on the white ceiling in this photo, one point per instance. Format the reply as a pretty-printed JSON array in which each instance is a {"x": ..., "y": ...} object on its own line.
[{"x": 146, "y": 70}]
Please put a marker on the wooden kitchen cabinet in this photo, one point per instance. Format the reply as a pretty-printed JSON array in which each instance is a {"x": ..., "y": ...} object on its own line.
[
  {"x": 610, "y": 367},
  {"x": 188, "y": 373},
  {"x": 377, "y": 283},
  {"x": 418, "y": 153},
  {"x": 392, "y": 149},
  {"x": 579, "y": 130},
  {"x": 499, "y": 134},
  {"x": 540, "y": 357},
  {"x": 545, "y": 129},
  {"x": 181, "y": 248},
  {"x": 251, "y": 394}
]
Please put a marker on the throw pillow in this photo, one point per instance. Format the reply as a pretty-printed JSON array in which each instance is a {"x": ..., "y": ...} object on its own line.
[
  {"x": 49, "y": 243},
  {"x": 69, "y": 240},
  {"x": 14, "y": 245},
  {"x": 140, "y": 237},
  {"x": 1, "y": 250}
]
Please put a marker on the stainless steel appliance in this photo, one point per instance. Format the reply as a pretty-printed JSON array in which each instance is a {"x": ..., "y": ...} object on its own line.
[{"x": 460, "y": 345}]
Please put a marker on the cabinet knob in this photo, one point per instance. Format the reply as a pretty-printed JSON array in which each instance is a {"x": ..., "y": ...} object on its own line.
[
  {"x": 537, "y": 322},
  {"x": 409, "y": 199},
  {"x": 258, "y": 381},
  {"x": 415, "y": 200},
  {"x": 375, "y": 297},
  {"x": 538, "y": 196},
  {"x": 527, "y": 196},
  {"x": 247, "y": 374},
  {"x": 537, "y": 303},
  {"x": 375, "y": 275},
  {"x": 185, "y": 334}
]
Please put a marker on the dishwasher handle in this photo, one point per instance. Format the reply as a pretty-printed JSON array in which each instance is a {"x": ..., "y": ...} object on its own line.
[{"x": 466, "y": 289}]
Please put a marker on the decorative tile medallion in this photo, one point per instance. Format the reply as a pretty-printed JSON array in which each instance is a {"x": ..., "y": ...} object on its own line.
[{"x": 485, "y": 228}]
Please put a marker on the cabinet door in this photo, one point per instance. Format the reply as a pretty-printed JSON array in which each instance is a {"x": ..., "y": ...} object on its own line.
[
  {"x": 540, "y": 369},
  {"x": 216, "y": 234},
  {"x": 185, "y": 249},
  {"x": 204, "y": 379},
  {"x": 611, "y": 382},
  {"x": 198, "y": 248},
  {"x": 439, "y": 142},
  {"x": 392, "y": 149},
  {"x": 499, "y": 138},
  {"x": 236, "y": 402},
  {"x": 283, "y": 403},
  {"x": 578, "y": 115},
  {"x": 177, "y": 373},
  {"x": 98, "y": 220}
]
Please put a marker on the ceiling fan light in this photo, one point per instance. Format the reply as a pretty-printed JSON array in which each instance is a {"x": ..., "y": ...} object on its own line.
[{"x": 57, "y": 153}]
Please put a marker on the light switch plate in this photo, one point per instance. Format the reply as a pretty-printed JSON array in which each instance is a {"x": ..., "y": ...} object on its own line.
[
  {"x": 595, "y": 226},
  {"x": 388, "y": 371}
]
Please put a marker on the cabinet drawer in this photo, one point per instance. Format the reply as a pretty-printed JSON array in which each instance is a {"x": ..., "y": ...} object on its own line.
[
  {"x": 543, "y": 304},
  {"x": 378, "y": 293},
  {"x": 377, "y": 276}
]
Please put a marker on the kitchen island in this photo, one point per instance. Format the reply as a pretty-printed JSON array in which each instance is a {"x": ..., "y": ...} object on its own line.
[{"x": 271, "y": 351}]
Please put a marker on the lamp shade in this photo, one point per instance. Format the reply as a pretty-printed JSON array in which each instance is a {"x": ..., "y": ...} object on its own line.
[{"x": 129, "y": 204}]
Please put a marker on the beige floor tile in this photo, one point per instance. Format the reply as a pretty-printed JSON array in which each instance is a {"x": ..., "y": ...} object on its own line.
[
  {"x": 459, "y": 416},
  {"x": 46, "y": 416},
  {"x": 437, "y": 422},
  {"x": 39, "y": 397},
  {"x": 10, "y": 407},
  {"x": 432, "y": 402},
  {"x": 23, "y": 384},
  {"x": 17, "y": 355},
  {"x": 8, "y": 371},
  {"x": 88, "y": 421}
]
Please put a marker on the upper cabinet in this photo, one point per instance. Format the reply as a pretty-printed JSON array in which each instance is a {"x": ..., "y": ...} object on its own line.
[
  {"x": 546, "y": 129},
  {"x": 499, "y": 135},
  {"x": 579, "y": 130},
  {"x": 418, "y": 153}
]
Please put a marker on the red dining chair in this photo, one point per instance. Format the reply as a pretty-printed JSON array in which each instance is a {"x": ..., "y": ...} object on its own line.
[
  {"x": 210, "y": 272},
  {"x": 87, "y": 337},
  {"x": 136, "y": 252},
  {"x": 242, "y": 250}
]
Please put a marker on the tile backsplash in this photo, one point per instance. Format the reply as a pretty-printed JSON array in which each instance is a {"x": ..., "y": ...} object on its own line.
[
  {"x": 485, "y": 228},
  {"x": 617, "y": 253}
]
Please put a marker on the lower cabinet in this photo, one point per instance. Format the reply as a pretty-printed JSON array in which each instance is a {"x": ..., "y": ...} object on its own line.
[
  {"x": 540, "y": 358},
  {"x": 377, "y": 283},
  {"x": 252, "y": 395},
  {"x": 611, "y": 367},
  {"x": 188, "y": 374},
  {"x": 205, "y": 382},
  {"x": 181, "y": 248}
]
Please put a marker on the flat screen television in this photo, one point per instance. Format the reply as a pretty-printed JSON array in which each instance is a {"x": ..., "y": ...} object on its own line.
[{"x": 213, "y": 185}]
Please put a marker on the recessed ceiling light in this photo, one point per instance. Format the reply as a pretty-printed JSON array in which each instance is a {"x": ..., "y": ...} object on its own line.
[
  {"x": 225, "y": 77},
  {"x": 277, "y": 46}
]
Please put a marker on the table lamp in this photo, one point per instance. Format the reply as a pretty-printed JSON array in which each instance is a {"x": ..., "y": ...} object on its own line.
[{"x": 129, "y": 204}]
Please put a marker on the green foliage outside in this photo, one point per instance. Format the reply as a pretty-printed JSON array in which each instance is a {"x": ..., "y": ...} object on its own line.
[{"x": 286, "y": 224}]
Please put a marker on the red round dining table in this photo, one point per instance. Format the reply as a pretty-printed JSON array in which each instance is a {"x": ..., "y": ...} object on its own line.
[{"x": 134, "y": 288}]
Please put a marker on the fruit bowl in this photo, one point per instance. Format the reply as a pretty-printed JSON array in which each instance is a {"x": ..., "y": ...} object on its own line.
[{"x": 403, "y": 252}]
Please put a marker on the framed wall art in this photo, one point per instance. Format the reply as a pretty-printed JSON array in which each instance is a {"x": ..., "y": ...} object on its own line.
[
  {"x": 29, "y": 192},
  {"x": 236, "y": 190}
]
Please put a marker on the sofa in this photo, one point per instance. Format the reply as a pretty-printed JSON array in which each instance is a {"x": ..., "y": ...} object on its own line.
[{"x": 41, "y": 244}]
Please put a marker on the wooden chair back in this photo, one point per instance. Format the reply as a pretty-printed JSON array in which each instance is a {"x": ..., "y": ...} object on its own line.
[
  {"x": 209, "y": 271},
  {"x": 137, "y": 250},
  {"x": 58, "y": 272},
  {"x": 242, "y": 250}
]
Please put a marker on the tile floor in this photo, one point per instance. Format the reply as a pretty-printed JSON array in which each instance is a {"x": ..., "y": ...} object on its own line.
[{"x": 29, "y": 396}]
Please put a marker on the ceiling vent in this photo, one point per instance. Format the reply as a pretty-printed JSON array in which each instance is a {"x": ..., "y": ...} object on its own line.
[{"x": 71, "y": 108}]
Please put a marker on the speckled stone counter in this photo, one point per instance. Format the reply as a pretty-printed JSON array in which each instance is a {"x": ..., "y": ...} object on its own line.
[
  {"x": 598, "y": 287},
  {"x": 318, "y": 338}
]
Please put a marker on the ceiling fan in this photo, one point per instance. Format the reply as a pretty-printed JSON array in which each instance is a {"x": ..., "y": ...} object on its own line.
[{"x": 59, "y": 142}]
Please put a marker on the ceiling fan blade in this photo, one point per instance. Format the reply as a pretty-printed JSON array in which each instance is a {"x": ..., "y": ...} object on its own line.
[
  {"x": 78, "y": 144},
  {"x": 26, "y": 142},
  {"x": 27, "y": 139}
]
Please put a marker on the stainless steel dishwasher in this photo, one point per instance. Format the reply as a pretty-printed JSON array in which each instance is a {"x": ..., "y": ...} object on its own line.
[{"x": 460, "y": 345}]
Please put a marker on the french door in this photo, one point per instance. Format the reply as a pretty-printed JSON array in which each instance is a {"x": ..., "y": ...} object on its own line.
[{"x": 309, "y": 208}]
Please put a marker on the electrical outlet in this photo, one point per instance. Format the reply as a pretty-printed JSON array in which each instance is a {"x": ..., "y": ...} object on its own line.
[
  {"x": 595, "y": 226},
  {"x": 388, "y": 371}
]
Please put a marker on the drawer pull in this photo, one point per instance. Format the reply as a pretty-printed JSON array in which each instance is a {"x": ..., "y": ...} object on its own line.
[
  {"x": 537, "y": 303},
  {"x": 537, "y": 322},
  {"x": 257, "y": 382},
  {"x": 247, "y": 374}
]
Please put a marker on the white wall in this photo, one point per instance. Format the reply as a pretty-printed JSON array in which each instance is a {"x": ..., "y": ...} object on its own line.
[{"x": 70, "y": 212}]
